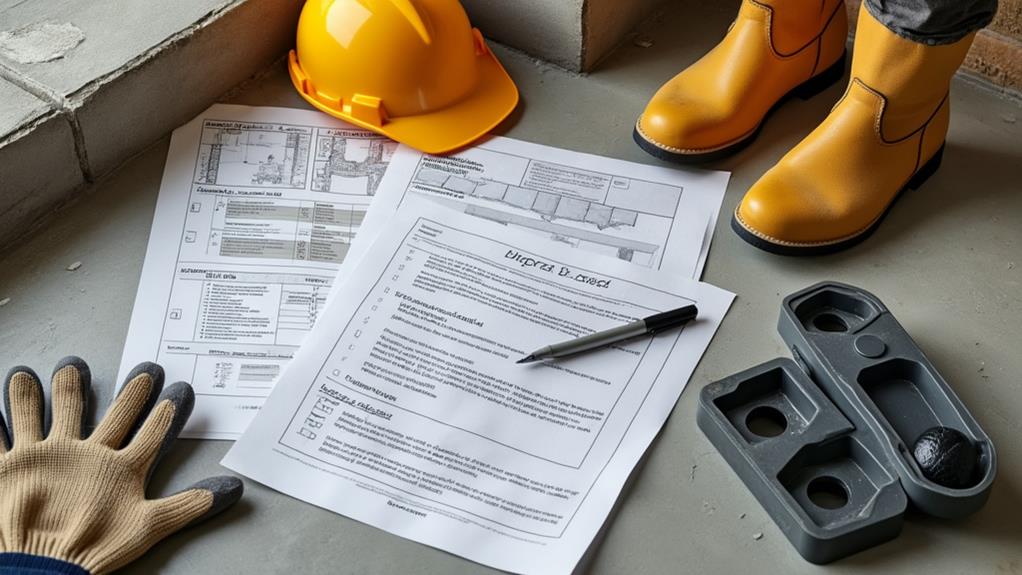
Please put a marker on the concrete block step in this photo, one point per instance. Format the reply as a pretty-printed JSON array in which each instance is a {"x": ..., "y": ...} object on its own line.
[
  {"x": 103, "y": 80},
  {"x": 574, "y": 34},
  {"x": 38, "y": 163}
]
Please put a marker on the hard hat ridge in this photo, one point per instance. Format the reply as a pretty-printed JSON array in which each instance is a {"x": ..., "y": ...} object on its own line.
[
  {"x": 414, "y": 17},
  {"x": 414, "y": 70}
]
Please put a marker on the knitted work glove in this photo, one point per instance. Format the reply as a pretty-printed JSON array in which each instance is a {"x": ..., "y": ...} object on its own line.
[{"x": 77, "y": 506}]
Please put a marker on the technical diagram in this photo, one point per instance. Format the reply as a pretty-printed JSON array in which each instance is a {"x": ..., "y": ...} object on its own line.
[
  {"x": 262, "y": 155},
  {"x": 349, "y": 162}
]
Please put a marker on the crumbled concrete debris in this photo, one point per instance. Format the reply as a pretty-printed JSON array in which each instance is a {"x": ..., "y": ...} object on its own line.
[
  {"x": 5, "y": 301},
  {"x": 40, "y": 42},
  {"x": 1011, "y": 265},
  {"x": 642, "y": 42},
  {"x": 1009, "y": 118},
  {"x": 74, "y": 266},
  {"x": 757, "y": 536},
  {"x": 709, "y": 508}
]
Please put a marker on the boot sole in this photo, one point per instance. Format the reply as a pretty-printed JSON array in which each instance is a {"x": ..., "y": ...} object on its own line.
[
  {"x": 917, "y": 180},
  {"x": 803, "y": 91}
]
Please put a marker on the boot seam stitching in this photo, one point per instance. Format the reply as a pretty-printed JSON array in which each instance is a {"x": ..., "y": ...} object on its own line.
[
  {"x": 816, "y": 62},
  {"x": 770, "y": 25},
  {"x": 882, "y": 109},
  {"x": 922, "y": 127},
  {"x": 651, "y": 140},
  {"x": 779, "y": 241},
  {"x": 919, "y": 150}
]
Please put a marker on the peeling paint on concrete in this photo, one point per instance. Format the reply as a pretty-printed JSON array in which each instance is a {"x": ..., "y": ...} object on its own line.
[{"x": 40, "y": 42}]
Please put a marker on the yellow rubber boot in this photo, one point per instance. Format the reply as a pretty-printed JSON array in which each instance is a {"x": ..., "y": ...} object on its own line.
[
  {"x": 774, "y": 49},
  {"x": 885, "y": 135}
]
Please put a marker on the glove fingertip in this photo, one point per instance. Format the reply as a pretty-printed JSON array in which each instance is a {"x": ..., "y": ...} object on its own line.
[
  {"x": 84, "y": 385},
  {"x": 7, "y": 385},
  {"x": 226, "y": 490},
  {"x": 9, "y": 433},
  {"x": 10, "y": 377},
  {"x": 156, "y": 377},
  {"x": 21, "y": 369},
  {"x": 5, "y": 434},
  {"x": 84, "y": 373},
  {"x": 155, "y": 372},
  {"x": 182, "y": 396}
]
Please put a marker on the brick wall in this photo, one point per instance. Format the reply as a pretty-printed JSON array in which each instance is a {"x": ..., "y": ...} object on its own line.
[{"x": 996, "y": 55}]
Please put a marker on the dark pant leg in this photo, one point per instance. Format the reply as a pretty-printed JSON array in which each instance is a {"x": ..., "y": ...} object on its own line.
[{"x": 933, "y": 21}]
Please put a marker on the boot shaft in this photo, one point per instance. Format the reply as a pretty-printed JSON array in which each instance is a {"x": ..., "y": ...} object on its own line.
[
  {"x": 913, "y": 78},
  {"x": 794, "y": 23}
]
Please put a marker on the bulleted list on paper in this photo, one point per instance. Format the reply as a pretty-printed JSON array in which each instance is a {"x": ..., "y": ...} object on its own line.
[
  {"x": 405, "y": 408},
  {"x": 257, "y": 210}
]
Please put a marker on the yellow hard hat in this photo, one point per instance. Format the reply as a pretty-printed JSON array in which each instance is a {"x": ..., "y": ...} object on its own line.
[{"x": 413, "y": 70}]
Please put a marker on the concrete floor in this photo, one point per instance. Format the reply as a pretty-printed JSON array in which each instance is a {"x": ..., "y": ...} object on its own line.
[{"x": 948, "y": 262}]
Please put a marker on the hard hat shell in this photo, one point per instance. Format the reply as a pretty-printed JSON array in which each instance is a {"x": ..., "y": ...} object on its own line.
[{"x": 413, "y": 70}]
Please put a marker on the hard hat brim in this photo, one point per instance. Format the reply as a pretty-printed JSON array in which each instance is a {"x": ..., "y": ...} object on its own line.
[{"x": 450, "y": 128}]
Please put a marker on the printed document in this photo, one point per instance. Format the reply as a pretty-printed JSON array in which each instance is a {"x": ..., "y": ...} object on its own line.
[
  {"x": 405, "y": 408},
  {"x": 656, "y": 217},
  {"x": 257, "y": 209}
]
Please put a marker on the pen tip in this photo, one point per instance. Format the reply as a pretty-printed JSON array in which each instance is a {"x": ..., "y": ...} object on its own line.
[{"x": 526, "y": 359}]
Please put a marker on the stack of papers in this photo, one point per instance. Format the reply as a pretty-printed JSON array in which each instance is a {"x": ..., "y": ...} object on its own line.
[{"x": 403, "y": 406}]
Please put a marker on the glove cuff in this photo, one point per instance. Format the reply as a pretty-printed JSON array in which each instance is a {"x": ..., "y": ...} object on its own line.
[{"x": 25, "y": 564}]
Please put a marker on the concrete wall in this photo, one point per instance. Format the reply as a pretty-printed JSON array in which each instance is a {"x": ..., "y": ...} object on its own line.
[
  {"x": 607, "y": 22},
  {"x": 548, "y": 29},
  {"x": 574, "y": 34}
]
